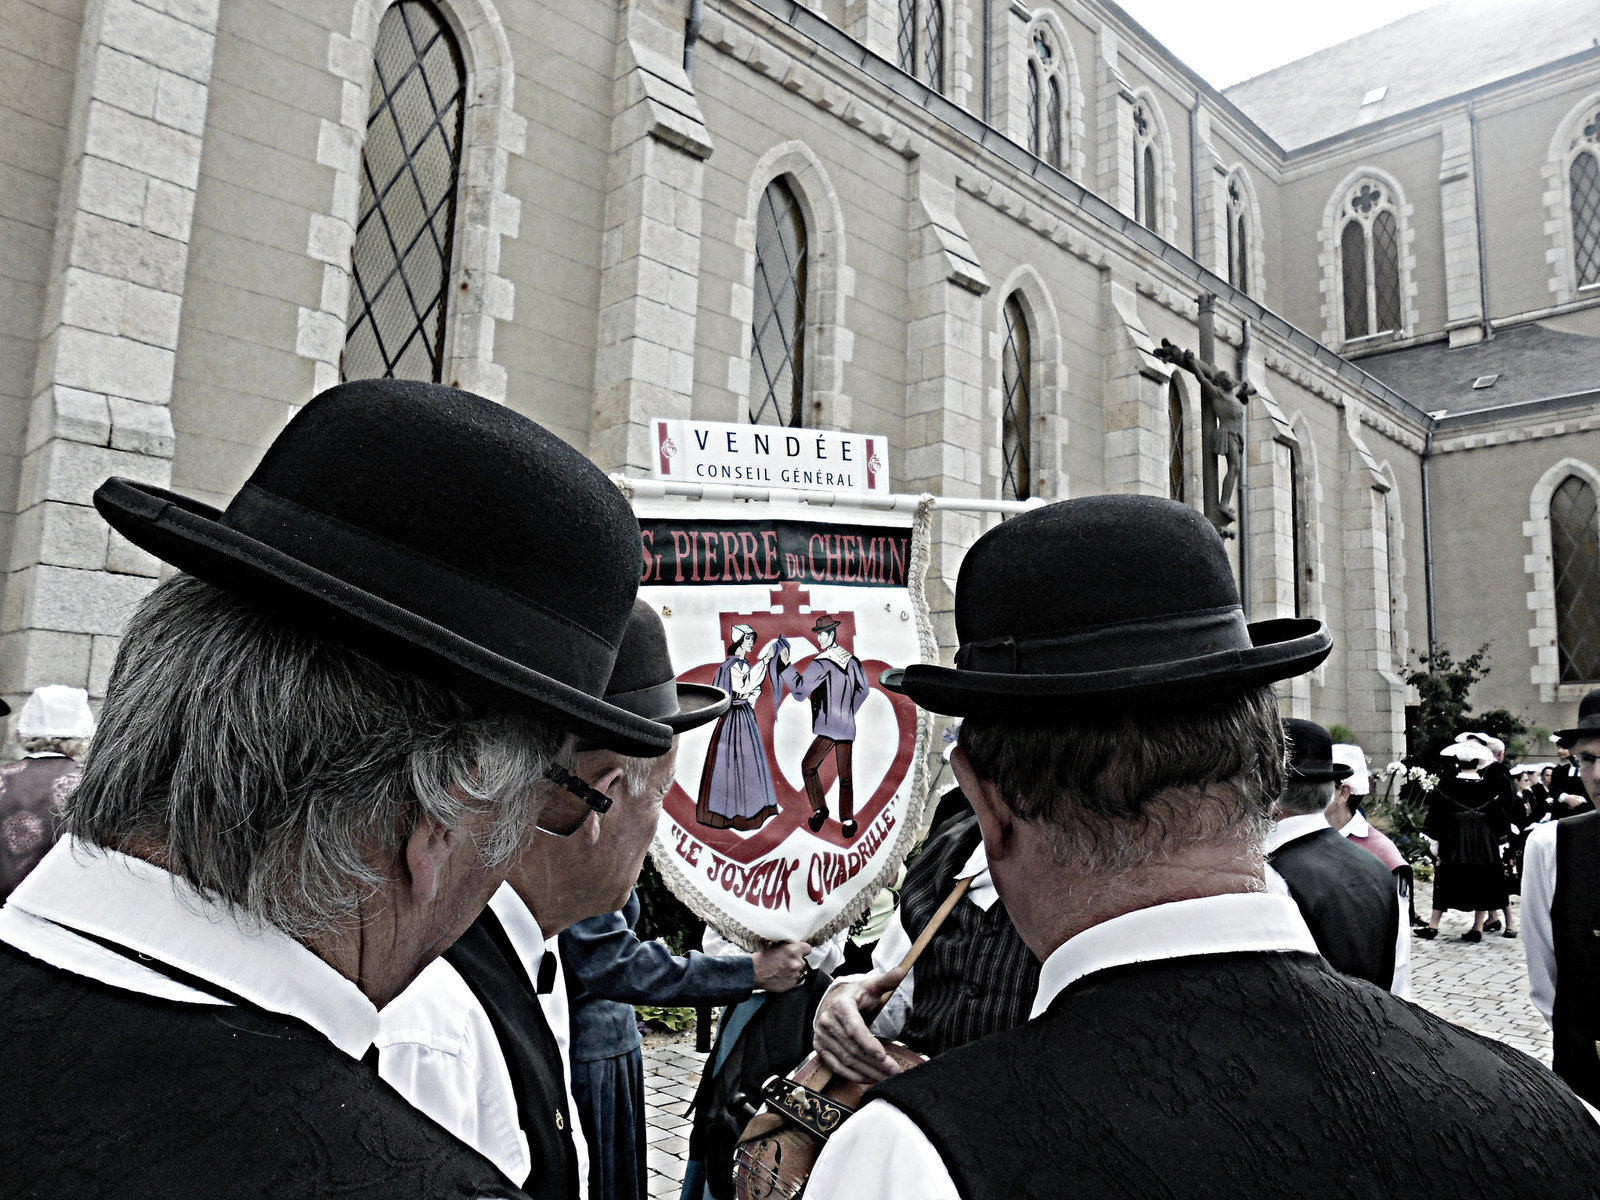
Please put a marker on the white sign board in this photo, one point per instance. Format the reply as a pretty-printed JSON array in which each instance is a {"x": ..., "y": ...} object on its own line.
[{"x": 818, "y": 460}]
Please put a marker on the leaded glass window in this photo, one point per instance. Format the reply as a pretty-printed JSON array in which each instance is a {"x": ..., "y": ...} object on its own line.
[
  {"x": 1575, "y": 549},
  {"x": 1238, "y": 222},
  {"x": 919, "y": 43},
  {"x": 1584, "y": 177},
  {"x": 1369, "y": 261},
  {"x": 1296, "y": 530},
  {"x": 1016, "y": 380},
  {"x": 1176, "y": 486},
  {"x": 1146, "y": 168},
  {"x": 777, "y": 384},
  {"x": 933, "y": 44},
  {"x": 906, "y": 42},
  {"x": 1053, "y": 116},
  {"x": 410, "y": 166},
  {"x": 1047, "y": 113},
  {"x": 1033, "y": 109}
]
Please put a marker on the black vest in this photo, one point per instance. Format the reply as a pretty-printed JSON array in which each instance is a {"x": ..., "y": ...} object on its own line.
[
  {"x": 488, "y": 962},
  {"x": 108, "y": 1093},
  {"x": 1348, "y": 899},
  {"x": 1248, "y": 1076},
  {"x": 1575, "y": 931},
  {"x": 977, "y": 976}
]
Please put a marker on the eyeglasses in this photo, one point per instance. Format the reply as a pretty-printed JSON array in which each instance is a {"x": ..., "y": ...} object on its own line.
[{"x": 571, "y": 805}]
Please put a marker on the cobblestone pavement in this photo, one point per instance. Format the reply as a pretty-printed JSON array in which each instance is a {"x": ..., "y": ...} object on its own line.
[{"x": 1482, "y": 986}]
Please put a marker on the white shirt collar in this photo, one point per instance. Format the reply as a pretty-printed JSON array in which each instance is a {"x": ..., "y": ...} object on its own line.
[
  {"x": 1290, "y": 828},
  {"x": 521, "y": 926},
  {"x": 1356, "y": 826},
  {"x": 1210, "y": 925},
  {"x": 837, "y": 655},
  {"x": 148, "y": 910},
  {"x": 981, "y": 891}
]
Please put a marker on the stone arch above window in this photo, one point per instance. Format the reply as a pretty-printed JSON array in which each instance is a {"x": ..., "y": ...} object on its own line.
[
  {"x": 1242, "y": 240},
  {"x": 1154, "y": 201},
  {"x": 491, "y": 131},
  {"x": 1572, "y": 186},
  {"x": 826, "y": 343},
  {"x": 1025, "y": 306},
  {"x": 1367, "y": 235},
  {"x": 1054, "y": 120},
  {"x": 1564, "y": 581}
]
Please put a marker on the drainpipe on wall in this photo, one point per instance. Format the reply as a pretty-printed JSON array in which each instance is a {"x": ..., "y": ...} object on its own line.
[
  {"x": 1243, "y": 363},
  {"x": 691, "y": 35},
  {"x": 1477, "y": 205},
  {"x": 1427, "y": 546},
  {"x": 988, "y": 60}
]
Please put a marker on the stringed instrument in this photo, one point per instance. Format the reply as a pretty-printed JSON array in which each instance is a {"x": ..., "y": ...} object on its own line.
[{"x": 779, "y": 1146}]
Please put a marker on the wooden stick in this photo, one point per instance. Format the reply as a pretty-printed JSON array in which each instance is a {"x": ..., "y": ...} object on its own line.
[{"x": 928, "y": 930}]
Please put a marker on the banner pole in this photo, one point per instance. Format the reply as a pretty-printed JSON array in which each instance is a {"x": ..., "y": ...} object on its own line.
[{"x": 656, "y": 489}]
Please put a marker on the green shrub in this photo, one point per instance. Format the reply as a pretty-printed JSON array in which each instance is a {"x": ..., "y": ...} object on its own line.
[{"x": 674, "y": 1020}]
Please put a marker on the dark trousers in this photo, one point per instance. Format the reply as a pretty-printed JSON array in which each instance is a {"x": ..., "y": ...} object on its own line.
[{"x": 811, "y": 764}]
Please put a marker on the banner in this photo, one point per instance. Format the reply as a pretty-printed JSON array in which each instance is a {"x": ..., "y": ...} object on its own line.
[
  {"x": 788, "y": 814},
  {"x": 764, "y": 456}
]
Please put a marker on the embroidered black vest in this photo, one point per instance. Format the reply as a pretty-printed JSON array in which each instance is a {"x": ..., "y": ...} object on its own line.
[
  {"x": 977, "y": 976},
  {"x": 111, "y": 1093},
  {"x": 488, "y": 962},
  {"x": 1249, "y": 1076},
  {"x": 1575, "y": 930},
  {"x": 1347, "y": 898}
]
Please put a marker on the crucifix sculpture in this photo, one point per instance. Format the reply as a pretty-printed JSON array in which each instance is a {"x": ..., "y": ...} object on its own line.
[{"x": 1222, "y": 411}]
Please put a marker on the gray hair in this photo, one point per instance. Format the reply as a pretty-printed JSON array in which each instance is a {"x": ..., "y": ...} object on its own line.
[
  {"x": 271, "y": 767},
  {"x": 1304, "y": 796},
  {"x": 1118, "y": 788}
]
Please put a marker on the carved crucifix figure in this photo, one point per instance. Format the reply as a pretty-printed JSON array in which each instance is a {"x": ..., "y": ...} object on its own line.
[{"x": 1222, "y": 412}]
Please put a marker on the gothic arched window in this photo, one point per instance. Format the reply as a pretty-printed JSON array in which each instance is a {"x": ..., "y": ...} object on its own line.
[
  {"x": 1575, "y": 555},
  {"x": 1297, "y": 561},
  {"x": 1369, "y": 260},
  {"x": 1146, "y": 167},
  {"x": 920, "y": 41},
  {"x": 1238, "y": 218},
  {"x": 410, "y": 165},
  {"x": 1047, "y": 116},
  {"x": 1583, "y": 201},
  {"x": 778, "y": 324},
  {"x": 1016, "y": 425}
]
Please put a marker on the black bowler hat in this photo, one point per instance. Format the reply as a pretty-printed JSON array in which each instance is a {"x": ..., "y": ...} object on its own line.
[
  {"x": 438, "y": 531},
  {"x": 1311, "y": 753},
  {"x": 645, "y": 684},
  {"x": 1103, "y": 600},
  {"x": 1588, "y": 725}
]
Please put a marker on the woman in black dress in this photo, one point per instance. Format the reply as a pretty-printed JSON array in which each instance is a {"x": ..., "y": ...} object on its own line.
[{"x": 1465, "y": 817}]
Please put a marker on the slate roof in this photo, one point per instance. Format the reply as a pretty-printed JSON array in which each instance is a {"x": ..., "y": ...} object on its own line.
[
  {"x": 1532, "y": 362},
  {"x": 1427, "y": 56}
]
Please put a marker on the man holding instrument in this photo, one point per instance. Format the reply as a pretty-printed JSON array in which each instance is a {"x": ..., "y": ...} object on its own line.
[
  {"x": 1121, "y": 748},
  {"x": 974, "y": 976}
]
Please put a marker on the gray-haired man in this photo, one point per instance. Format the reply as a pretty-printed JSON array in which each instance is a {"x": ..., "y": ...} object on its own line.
[{"x": 319, "y": 748}]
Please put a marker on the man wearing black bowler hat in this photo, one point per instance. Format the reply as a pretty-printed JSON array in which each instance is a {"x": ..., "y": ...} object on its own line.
[
  {"x": 322, "y": 743},
  {"x": 1561, "y": 914},
  {"x": 1121, "y": 748},
  {"x": 479, "y": 1041},
  {"x": 1348, "y": 900}
]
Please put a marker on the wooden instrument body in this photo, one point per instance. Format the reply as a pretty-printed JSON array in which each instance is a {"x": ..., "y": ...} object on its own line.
[{"x": 776, "y": 1152}]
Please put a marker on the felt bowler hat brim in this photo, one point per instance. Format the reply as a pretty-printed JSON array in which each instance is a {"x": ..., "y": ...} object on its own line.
[
  {"x": 191, "y": 536},
  {"x": 1280, "y": 649},
  {"x": 1319, "y": 771}
]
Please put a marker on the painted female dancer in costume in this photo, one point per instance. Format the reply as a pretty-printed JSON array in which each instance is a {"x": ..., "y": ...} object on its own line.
[{"x": 736, "y": 787}]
